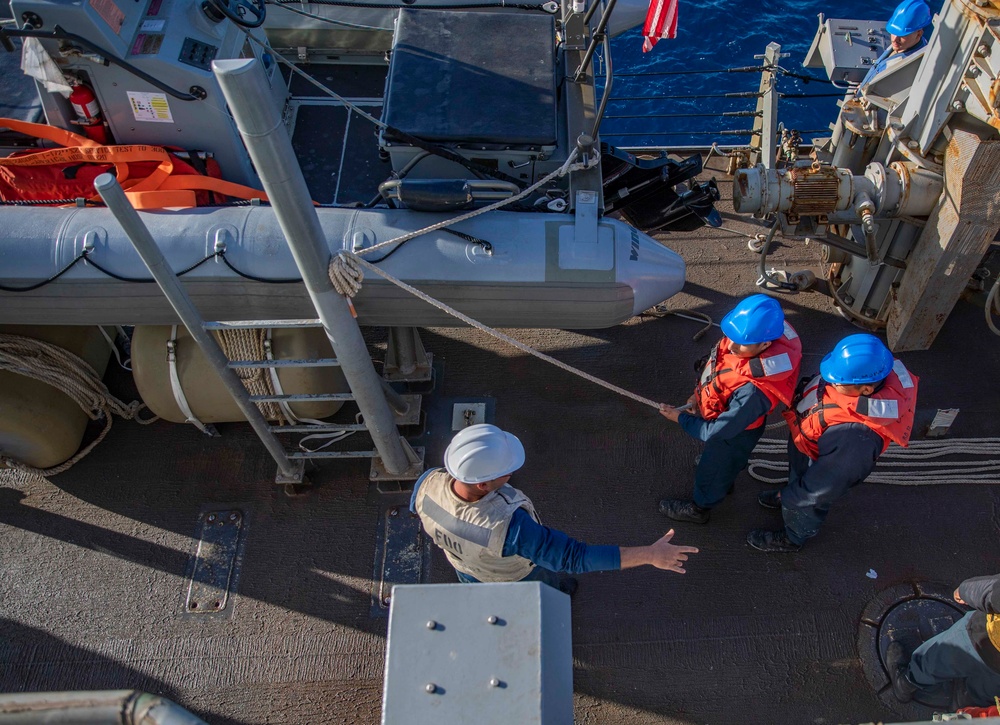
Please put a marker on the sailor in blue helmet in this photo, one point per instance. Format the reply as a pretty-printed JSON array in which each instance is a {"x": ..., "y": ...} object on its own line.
[
  {"x": 840, "y": 422},
  {"x": 906, "y": 31},
  {"x": 750, "y": 371}
]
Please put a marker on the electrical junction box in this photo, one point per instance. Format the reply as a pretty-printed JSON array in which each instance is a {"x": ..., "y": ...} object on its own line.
[
  {"x": 489, "y": 654},
  {"x": 847, "y": 49}
]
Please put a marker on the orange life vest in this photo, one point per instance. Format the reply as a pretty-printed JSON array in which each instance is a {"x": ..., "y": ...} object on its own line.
[
  {"x": 774, "y": 372},
  {"x": 888, "y": 411},
  {"x": 151, "y": 176}
]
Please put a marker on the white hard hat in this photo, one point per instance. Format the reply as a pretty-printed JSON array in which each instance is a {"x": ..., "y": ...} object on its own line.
[{"x": 483, "y": 452}]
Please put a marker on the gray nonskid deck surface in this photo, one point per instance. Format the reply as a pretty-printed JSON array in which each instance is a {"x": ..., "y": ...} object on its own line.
[{"x": 92, "y": 563}]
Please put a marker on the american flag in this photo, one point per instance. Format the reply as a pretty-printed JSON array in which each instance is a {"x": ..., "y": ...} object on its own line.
[{"x": 661, "y": 22}]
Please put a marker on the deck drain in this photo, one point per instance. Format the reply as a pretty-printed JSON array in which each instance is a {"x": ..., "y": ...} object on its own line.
[{"x": 910, "y": 614}]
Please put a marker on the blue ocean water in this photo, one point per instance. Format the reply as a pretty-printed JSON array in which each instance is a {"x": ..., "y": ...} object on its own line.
[{"x": 721, "y": 34}]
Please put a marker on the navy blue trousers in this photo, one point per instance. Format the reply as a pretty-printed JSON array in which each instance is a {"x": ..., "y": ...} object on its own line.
[
  {"x": 804, "y": 508},
  {"x": 720, "y": 464},
  {"x": 952, "y": 656}
]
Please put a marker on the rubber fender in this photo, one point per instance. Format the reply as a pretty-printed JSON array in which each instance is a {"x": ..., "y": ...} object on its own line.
[
  {"x": 41, "y": 426},
  {"x": 207, "y": 397}
]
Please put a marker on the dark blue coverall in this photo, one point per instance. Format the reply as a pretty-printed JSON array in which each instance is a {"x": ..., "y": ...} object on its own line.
[
  {"x": 728, "y": 443},
  {"x": 952, "y": 655},
  {"x": 847, "y": 455}
]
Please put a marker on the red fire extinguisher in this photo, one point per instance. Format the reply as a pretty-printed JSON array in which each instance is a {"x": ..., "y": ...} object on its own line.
[{"x": 88, "y": 113}]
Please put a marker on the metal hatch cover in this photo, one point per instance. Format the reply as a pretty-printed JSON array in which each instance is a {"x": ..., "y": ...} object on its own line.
[{"x": 212, "y": 572}]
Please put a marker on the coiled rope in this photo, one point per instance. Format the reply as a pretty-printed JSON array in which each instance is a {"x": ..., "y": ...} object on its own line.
[
  {"x": 249, "y": 345},
  {"x": 993, "y": 305},
  {"x": 71, "y": 375},
  {"x": 912, "y": 466}
]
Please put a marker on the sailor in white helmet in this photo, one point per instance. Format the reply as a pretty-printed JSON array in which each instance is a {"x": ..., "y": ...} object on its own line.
[{"x": 489, "y": 530}]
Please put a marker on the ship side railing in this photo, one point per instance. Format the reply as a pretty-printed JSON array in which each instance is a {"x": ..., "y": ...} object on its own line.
[{"x": 631, "y": 118}]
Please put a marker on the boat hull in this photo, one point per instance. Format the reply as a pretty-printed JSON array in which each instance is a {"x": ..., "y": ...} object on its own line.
[{"x": 525, "y": 269}]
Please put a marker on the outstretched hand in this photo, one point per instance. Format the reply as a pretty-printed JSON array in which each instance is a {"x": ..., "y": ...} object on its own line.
[{"x": 664, "y": 555}]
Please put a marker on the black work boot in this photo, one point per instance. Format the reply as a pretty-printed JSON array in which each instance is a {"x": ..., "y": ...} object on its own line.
[
  {"x": 569, "y": 585},
  {"x": 770, "y": 499},
  {"x": 772, "y": 541},
  {"x": 684, "y": 510},
  {"x": 896, "y": 663}
]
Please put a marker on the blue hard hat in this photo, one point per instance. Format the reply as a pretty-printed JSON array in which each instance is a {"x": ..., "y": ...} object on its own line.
[
  {"x": 857, "y": 360},
  {"x": 909, "y": 17},
  {"x": 756, "y": 319}
]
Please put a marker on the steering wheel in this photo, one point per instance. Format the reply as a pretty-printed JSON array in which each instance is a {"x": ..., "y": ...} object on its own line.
[{"x": 237, "y": 10}]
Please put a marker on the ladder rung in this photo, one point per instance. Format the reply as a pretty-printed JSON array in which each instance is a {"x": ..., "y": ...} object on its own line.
[
  {"x": 318, "y": 363},
  {"x": 300, "y": 398},
  {"x": 326, "y": 428},
  {"x": 333, "y": 454},
  {"x": 253, "y": 324}
]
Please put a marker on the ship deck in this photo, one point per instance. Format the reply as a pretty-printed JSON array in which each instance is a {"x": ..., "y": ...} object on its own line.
[{"x": 95, "y": 561}]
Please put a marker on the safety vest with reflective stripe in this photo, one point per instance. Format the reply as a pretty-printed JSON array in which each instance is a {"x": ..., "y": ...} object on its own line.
[
  {"x": 472, "y": 534},
  {"x": 984, "y": 630},
  {"x": 774, "y": 372},
  {"x": 888, "y": 411}
]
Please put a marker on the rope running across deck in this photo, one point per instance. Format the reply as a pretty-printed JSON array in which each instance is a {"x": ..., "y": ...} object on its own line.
[{"x": 346, "y": 274}]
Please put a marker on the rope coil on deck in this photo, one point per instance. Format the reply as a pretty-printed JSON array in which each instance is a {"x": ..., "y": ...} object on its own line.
[
  {"x": 912, "y": 466},
  {"x": 71, "y": 375}
]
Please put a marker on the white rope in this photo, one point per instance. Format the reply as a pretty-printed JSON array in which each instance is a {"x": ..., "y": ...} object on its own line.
[
  {"x": 569, "y": 165},
  {"x": 71, "y": 375},
  {"x": 993, "y": 303},
  {"x": 912, "y": 466},
  {"x": 346, "y": 273},
  {"x": 346, "y": 266}
]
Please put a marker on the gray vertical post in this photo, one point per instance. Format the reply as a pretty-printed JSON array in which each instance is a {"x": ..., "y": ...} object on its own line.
[
  {"x": 259, "y": 122},
  {"x": 109, "y": 189},
  {"x": 766, "y": 120}
]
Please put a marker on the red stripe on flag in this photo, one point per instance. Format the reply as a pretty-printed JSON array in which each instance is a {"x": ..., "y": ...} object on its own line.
[{"x": 661, "y": 22}]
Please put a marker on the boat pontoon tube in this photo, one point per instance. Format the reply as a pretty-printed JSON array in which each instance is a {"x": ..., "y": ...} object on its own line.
[{"x": 524, "y": 269}]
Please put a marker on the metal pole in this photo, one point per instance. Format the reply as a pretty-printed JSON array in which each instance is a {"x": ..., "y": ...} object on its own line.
[
  {"x": 114, "y": 197},
  {"x": 596, "y": 38},
  {"x": 608, "y": 85},
  {"x": 767, "y": 109},
  {"x": 251, "y": 102}
]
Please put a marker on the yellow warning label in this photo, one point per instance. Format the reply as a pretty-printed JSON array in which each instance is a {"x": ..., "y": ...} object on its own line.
[{"x": 151, "y": 107}]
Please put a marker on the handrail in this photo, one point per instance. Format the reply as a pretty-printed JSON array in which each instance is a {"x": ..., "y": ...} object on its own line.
[{"x": 102, "y": 707}]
